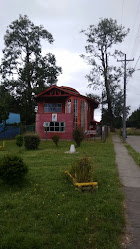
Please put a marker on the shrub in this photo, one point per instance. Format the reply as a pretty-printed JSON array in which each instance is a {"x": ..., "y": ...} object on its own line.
[
  {"x": 12, "y": 169},
  {"x": 78, "y": 136},
  {"x": 19, "y": 140},
  {"x": 81, "y": 170},
  {"x": 55, "y": 139},
  {"x": 31, "y": 141}
]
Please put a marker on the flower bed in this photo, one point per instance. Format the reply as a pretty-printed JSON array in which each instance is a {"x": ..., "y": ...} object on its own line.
[{"x": 82, "y": 185}]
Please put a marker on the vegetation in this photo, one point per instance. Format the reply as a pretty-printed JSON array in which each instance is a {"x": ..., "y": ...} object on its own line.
[
  {"x": 48, "y": 212},
  {"x": 55, "y": 139},
  {"x": 133, "y": 131},
  {"x": 133, "y": 153},
  {"x": 134, "y": 119},
  {"x": 81, "y": 170},
  {"x": 12, "y": 169},
  {"x": 5, "y": 102},
  {"x": 101, "y": 39},
  {"x": 78, "y": 136},
  {"x": 31, "y": 141},
  {"x": 19, "y": 140},
  {"x": 22, "y": 58}
]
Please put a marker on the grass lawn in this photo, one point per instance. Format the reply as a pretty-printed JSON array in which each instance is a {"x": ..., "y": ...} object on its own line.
[
  {"x": 47, "y": 212},
  {"x": 133, "y": 153}
]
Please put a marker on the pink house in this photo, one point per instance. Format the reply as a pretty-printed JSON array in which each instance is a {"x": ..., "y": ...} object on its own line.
[{"x": 60, "y": 109}]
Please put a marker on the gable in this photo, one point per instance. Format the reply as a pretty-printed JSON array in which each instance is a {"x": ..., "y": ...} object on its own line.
[{"x": 54, "y": 91}]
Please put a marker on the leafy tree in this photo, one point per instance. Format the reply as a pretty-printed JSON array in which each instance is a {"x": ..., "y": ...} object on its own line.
[
  {"x": 117, "y": 109},
  {"x": 94, "y": 96},
  {"x": 134, "y": 119},
  {"x": 3, "y": 105},
  {"x": 25, "y": 71},
  {"x": 100, "y": 48}
]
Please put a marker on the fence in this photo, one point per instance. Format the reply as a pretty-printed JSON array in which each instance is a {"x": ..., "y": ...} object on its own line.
[
  {"x": 104, "y": 134},
  {"x": 10, "y": 131}
]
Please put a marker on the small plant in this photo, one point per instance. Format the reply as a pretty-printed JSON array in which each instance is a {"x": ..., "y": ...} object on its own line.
[
  {"x": 55, "y": 139},
  {"x": 31, "y": 141},
  {"x": 12, "y": 169},
  {"x": 78, "y": 136},
  {"x": 81, "y": 170},
  {"x": 19, "y": 140}
]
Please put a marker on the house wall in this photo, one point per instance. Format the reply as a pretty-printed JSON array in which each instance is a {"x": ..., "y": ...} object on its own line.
[
  {"x": 42, "y": 117},
  {"x": 61, "y": 117}
]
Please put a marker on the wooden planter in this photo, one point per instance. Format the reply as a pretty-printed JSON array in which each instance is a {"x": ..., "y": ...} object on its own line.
[
  {"x": 3, "y": 145},
  {"x": 82, "y": 185}
]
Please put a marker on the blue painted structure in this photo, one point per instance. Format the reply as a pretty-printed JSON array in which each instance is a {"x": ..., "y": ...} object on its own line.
[{"x": 11, "y": 130}]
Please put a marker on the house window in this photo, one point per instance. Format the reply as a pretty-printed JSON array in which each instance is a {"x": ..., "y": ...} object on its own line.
[
  {"x": 52, "y": 107},
  {"x": 82, "y": 114},
  {"x": 68, "y": 106},
  {"x": 75, "y": 113},
  {"x": 55, "y": 126}
]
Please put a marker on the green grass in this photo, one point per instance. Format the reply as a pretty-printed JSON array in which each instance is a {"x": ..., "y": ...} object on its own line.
[
  {"x": 47, "y": 212},
  {"x": 130, "y": 131},
  {"x": 133, "y": 131},
  {"x": 133, "y": 153}
]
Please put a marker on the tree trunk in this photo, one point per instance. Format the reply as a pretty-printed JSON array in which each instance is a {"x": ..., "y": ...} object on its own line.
[{"x": 105, "y": 72}]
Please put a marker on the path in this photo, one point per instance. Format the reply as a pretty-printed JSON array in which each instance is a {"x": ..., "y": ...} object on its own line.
[{"x": 129, "y": 174}]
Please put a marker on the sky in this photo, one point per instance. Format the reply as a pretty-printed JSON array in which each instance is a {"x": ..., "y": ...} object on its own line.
[{"x": 64, "y": 19}]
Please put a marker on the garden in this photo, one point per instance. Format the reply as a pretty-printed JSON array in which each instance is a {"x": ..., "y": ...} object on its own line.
[{"x": 47, "y": 211}]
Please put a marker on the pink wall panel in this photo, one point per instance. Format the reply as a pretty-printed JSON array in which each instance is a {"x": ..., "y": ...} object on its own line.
[{"x": 61, "y": 117}]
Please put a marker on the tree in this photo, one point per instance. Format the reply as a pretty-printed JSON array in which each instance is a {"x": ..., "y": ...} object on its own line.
[
  {"x": 134, "y": 119},
  {"x": 117, "y": 109},
  {"x": 93, "y": 96},
  {"x": 4, "y": 104},
  {"x": 99, "y": 49},
  {"x": 25, "y": 71}
]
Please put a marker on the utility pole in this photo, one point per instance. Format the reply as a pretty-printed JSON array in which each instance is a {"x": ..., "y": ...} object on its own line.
[{"x": 124, "y": 105}]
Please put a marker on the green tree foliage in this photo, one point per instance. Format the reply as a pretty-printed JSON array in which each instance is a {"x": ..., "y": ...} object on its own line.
[
  {"x": 117, "y": 109},
  {"x": 101, "y": 39},
  {"x": 78, "y": 136},
  {"x": 25, "y": 71},
  {"x": 93, "y": 96},
  {"x": 3, "y": 105},
  {"x": 12, "y": 169},
  {"x": 134, "y": 119},
  {"x": 19, "y": 140},
  {"x": 31, "y": 141},
  {"x": 55, "y": 139}
]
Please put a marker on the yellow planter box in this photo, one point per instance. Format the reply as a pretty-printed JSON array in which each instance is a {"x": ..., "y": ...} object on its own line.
[
  {"x": 82, "y": 185},
  {"x": 3, "y": 145}
]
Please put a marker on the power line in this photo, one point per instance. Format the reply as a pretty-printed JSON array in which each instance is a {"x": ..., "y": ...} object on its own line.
[
  {"x": 136, "y": 62},
  {"x": 122, "y": 10},
  {"x": 134, "y": 23}
]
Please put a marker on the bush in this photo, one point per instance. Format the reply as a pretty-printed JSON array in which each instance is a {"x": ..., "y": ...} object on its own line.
[
  {"x": 78, "y": 136},
  {"x": 31, "y": 141},
  {"x": 55, "y": 139},
  {"x": 12, "y": 169},
  {"x": 81, "y": 170},
  {"x": 19, "y": 140}
]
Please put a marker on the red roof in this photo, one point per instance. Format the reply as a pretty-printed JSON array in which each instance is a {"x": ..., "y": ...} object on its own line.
[{"x": 67, "y": 91}]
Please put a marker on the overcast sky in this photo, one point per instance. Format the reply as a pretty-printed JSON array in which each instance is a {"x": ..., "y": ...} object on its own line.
[{"x": 64, "y": 19}]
